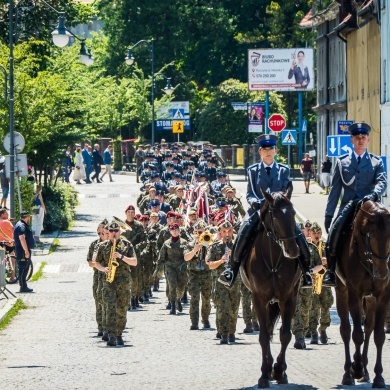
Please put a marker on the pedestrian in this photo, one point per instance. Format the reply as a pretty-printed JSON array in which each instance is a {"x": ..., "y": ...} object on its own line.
[
  {"x": 87, "y": 157},
  {"x": 269, "y": 176},
  {"x": 66, "y": 164},
  {"x": 4, "y": 186},
  {"x": 97, "y": 161},
  {"x": 115, "y": 292},
  {"x": 39, "y": 211},
  {"x": 24, "y": 243},
  {"x": 359, "y": 176},
  {"x": 107, "y": 160},
  {"x": 307, "y": 171},
  {"x": 79, "y": 171},
  {"x": 139, "y": 159},
  {"x": 7, "y": 237},
  {"x": 326, "y": 167}
]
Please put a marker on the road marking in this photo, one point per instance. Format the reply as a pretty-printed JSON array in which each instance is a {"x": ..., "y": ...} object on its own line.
[{"x": 64, "y": 268}]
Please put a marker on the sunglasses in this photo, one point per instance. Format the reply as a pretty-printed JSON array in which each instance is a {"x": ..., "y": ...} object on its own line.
[{"x": 114, "y": 230}]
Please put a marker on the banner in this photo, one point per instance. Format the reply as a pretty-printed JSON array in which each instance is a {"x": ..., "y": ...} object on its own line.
[
  {"x": 255, "y": 117},
  {"x": 281, "y": 69}
]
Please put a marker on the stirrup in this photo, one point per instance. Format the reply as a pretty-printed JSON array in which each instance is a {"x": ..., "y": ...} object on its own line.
[{"x": 227, "y": 277}]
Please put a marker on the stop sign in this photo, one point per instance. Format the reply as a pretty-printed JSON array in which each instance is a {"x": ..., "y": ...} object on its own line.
[{"x": 276, "y": 122}]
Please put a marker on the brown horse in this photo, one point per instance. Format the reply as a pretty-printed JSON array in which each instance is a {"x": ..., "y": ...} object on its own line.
[
  {"x": 364, "y": 264},
  {"x": 272, "y": 275}
]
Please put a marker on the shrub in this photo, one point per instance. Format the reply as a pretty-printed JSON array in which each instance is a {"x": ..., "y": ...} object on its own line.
[
  {"x": 60, "y": 202},
  {"x": 27, "y": 190}
]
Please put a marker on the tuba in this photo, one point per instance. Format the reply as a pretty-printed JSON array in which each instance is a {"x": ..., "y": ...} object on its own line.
[
  {"x": 112, "y": 265},
  {"x": 122, "y": 225}
]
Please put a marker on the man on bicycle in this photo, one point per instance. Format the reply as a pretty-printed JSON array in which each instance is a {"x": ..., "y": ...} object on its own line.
[
  {"x": 7, "y": 237},
  {"x": 24, "y": 242}
]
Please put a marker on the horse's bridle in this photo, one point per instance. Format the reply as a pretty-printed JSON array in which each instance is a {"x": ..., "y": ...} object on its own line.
[
  {"x": 271, "y": 233},
  {"x": 368, "y": 251}
]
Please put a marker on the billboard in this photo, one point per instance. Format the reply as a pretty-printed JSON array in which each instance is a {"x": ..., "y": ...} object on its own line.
[
  {"x": 281, "y": 69},
  {"x": 173, "y": 111},
  {"x": 255, "y": 117}
]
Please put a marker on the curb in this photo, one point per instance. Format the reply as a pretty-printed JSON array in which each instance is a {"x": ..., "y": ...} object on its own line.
[{"x": 8, "y": 306}]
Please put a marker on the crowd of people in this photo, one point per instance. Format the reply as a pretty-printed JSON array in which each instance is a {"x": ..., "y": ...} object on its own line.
[{"x": 184, "y": 225}]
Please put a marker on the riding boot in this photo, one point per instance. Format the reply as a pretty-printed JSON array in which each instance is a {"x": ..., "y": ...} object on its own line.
[
  {"x": 336, "y": 231},
  {"x": 240, "y": 249},
  {"x": 304, "y": 259}
]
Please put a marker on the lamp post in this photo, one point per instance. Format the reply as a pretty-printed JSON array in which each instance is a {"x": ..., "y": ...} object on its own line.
[
  {"x": 60, "y": 36},
  {"x": 129, "y": 59}
]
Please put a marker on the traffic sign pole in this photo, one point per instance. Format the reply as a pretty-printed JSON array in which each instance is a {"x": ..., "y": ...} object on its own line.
[{"x": 300, "y": 121}]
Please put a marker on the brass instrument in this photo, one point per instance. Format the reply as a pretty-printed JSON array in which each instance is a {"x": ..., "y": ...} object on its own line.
[
  {"x": 112, "y": 265},
  {"x": 122, "y": 225},
  {"x": 317, "y": 281},
  {"x": 206, "y": 238}
]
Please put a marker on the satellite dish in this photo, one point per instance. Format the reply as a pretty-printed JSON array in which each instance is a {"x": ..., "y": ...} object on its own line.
[{"x": 19, "y": 142}]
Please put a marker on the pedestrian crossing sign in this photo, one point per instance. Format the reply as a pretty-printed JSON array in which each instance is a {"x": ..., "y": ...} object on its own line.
[
  {"x": 177, "y": 113},
  {"x": 178, "y": 127},
  {"x": 289, "y": 137}
]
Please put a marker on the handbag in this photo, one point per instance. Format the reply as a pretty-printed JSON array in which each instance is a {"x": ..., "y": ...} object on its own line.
[{"x": 35, "y": 209}]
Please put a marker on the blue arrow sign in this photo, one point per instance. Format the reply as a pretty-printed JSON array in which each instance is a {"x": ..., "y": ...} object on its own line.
[
  {"x": 339, "y": 145},
  {"x": 304, "y": 126},
  {"x": 289, "y": 137}
]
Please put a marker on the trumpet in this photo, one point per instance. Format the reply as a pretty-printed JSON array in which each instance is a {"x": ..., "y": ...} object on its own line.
[
  {"x": 206, "y": 238},
  {"x": 122, "y": 225}
]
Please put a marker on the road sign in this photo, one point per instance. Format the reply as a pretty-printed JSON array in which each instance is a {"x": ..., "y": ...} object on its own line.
[
  {"x": 239, "y": 106},
  {"x": 289, "y": 137},
  {"x": 177, "y": 127},
  {"x": 342, "y": 127},
  {"x": 304, "y": 126},
  {"x": 19, "y": 142},
  {"x": 276, "y": 122},
  {"x": 177, "y": 113},
  {"x": 339, "y": 145}
]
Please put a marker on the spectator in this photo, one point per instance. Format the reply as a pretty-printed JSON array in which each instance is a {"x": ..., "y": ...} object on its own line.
[
  {"x": 325, "y": 173},
  {"x": 107, "y": 160},
  {"x": 39, "y": 211},
  {"x": 307, "y": 171},
  {"x": 4, "y": 187}
]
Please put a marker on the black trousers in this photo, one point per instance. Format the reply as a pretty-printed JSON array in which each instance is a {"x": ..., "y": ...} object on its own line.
[{"x": 23, "y": 266}]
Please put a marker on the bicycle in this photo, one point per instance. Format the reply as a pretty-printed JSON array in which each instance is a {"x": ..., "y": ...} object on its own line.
[{"x": 11, "y": 268}]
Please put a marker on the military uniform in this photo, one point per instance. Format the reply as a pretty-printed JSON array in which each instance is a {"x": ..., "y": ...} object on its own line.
[
  {"x": 116, "y": 294},
  {"x": 226, "y": 300},
  {"x": 199, "y": 285},
  {"x": 300, "y": 322}
]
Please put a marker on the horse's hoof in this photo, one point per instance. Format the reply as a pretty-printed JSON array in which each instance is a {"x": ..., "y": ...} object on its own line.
[
  {"x": 378, "y": 383},
  {"x": 263, "y": 383},
  {"x": 357, "y": 372},
  {"x": 300, "y": 343},
  {"x": 348, "y": 381},
  {"x": 283, "y": 380}
]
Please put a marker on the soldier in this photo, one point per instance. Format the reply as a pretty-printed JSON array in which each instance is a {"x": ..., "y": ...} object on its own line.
[
  {"x": 93, "y": 247},
  {"x": 226, "y": 300},
  {"x": 321, "y": 303},
  {"x": 357, "y": 177},
  {"x": 116, "y": 292},
  {"x": 248, "y": 310},
  {"x": 171, "y": 256},
  {"x": 300, "y": 322},
  {"x": 234, "y": 202},
  {"x": 178, "y": 198}
]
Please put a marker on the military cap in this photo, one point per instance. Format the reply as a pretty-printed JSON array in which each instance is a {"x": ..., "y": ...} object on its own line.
[
  {"x": 152, "y": 166},
  {"x": 359, "y": 128},
  {"x": 315, "y": 227},
  {"x": 130, "y": 207},
  {"x": 178, "y": 216},
  {"x": 104, "y": 222},
  {"x": 221, "y": 174},
  {"x": 149, "y": 155},
  {"x": 154, "y": 203},
  {"x": 137, "y": 216},
  {"x": 301, "y": 225},
  {"x": 24, "y": 213},
  {"x": 154, "y": 214},
  {"x": 176, "y": 174},
  {"x": 113, "y": 225},
  {"x": 200, "y": 224},
  {"x": 179, "y": 187},
  {"x": 224, "y": 224},
  {"x": 174, "y": 226},
  {"x": 308, "y": 224},
  {"x": 168, "y": 155},
  {"x": 170, "y": 164},
  {"x": 175, "y": 158},
  {"x": 160, "y": 193},
  {"x": 220, "y": 202},
  {"x": 202, "y": 174},
  {"x": 192, "y": 212},
  {"x": 229, "y": 190},
  {"x": 267, "y": 141},
  {"x": 183, "y": 177},
  {"x": 171, "y": 214},
  {"x": 144, "y": 218}
]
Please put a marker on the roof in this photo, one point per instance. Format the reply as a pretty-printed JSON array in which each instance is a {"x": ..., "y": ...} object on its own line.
[
  {"x": 327, "y": 14},
  {"x": 305, "y": 22}
]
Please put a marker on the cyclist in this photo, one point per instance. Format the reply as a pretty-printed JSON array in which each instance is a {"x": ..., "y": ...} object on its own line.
[{"x": 6, "y": 238}]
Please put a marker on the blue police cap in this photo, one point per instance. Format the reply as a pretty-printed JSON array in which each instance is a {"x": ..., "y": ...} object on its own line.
[
  {"x": 359, "y": 128},
  {"x": 221, "y": 174},
  {"x": 169, "y": 164},
  {"x": 267, "y": 141},
  {"x": 183, "y": 177},
  {"x": 154, "y": 202},
  {"x": 221, "y": 203}
]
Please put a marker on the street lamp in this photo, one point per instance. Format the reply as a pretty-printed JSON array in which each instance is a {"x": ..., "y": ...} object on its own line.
[
  {"x": 61, "y": 37},
  {"x": 129, "y": 59}
]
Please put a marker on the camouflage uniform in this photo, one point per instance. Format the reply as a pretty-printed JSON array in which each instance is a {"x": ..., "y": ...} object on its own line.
[
  {"x": 300, "y": 322},
  {"x": 320, "y": 309},
  {"x": 171, "y": 256},
  {"x": 116, "y": 294},
  {"x": 248, "y": 310},
  {"x": 199, "y": 284},
  {"x": 226, "y": 300},
  {"x": 175, "y": 201},
  {"x": 238, "y": 209},
  {"x": 96, "y": 293},
  {"x": 135, "y": 236}
]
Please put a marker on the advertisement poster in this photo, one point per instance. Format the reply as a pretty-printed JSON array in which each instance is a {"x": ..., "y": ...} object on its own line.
[
  {"x": 281, "y": 69},
  {"x": 255, "y": 117},
  {"x": 173, "y": 111}
]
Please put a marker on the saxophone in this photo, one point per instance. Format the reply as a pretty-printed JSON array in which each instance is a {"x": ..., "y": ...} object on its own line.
[
  {"x": 112, "y": 264},
  {"x": 319, "y": 276}
]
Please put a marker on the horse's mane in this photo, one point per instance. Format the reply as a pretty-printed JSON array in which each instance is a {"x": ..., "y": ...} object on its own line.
[{"x": 373, "y": 212}]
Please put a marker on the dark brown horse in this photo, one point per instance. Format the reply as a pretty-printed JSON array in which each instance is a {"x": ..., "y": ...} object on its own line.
[
  {"x": 272, "y": 275},
  {"x": 364, "y": 264}
]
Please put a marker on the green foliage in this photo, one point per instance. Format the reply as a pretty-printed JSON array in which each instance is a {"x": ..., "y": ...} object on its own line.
[
  {"x": 39, "y": 274},
  {"x": 60, "y": 202},
  {"x": 117, "y": 145},
  {"x": 27, "y": 191},
  {"x": 18, "y": 306}
]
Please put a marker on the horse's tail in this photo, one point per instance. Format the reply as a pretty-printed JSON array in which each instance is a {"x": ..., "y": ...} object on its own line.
[{"x": 273, "y": 315}]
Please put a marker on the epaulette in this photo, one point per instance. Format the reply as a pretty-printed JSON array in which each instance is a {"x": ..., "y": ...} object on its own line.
[
  {"x": 344, "y": 156},
  {"x": 375, "y": 156},
  {"x": 283, "y": 165}
]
